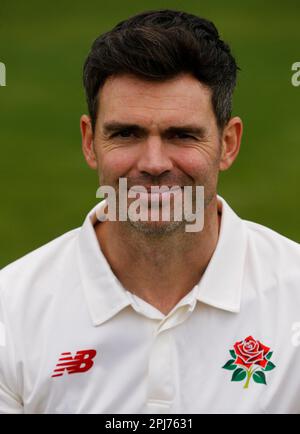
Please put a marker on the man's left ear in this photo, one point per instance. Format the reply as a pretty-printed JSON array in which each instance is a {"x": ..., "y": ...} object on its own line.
[{"x": 231, "y": 141}]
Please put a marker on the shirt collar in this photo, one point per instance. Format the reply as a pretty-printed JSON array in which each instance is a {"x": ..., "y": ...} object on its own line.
[
  {"x": 219, "y": 286},
  {"x": 103, "y": 291}
]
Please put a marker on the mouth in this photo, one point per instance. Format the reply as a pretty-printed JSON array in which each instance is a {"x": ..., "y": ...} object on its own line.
[
  {"x": 157, "y": 193},
  {"x": 155, "y": 189}
]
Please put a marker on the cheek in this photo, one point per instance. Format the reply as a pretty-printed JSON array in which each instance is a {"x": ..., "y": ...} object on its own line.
[
  {"x": 196, "y": 165},
  {"x": 114, "y": 165}
]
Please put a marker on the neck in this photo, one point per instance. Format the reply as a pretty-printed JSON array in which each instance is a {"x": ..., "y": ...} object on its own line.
[{"x": 161, "y": 270}]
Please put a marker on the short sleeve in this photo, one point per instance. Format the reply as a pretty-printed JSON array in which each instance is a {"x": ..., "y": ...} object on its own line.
[{"x": 10, "y": 402}]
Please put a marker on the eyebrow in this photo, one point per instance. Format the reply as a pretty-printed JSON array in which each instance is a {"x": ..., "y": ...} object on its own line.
[{"x": 113, "y": 126}]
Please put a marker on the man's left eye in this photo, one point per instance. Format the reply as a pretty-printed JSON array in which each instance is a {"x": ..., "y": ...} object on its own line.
[{"x": 184, "y": 136}]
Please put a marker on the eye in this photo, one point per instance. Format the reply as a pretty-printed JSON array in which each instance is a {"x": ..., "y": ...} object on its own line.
[
  {"x": 184, "y": 136},
  {"x": 126, "y": 133}
]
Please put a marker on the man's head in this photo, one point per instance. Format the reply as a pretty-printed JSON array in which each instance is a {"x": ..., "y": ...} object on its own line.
[
  {"x": 158, "y": 45},
  {"x": 159, "y": 89}
]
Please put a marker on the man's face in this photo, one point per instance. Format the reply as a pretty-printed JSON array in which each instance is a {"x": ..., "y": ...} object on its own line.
[{"x": 157, "y": 133}]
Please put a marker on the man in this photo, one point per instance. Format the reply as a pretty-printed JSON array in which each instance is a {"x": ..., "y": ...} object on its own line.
[{"x": 142, "y": 316}]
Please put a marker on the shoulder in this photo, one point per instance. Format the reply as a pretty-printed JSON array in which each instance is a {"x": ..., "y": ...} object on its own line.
[
  {"x": 40, "y": 265},
  {"x": 272, "y": 260},
  {"x": 272, "y": 244}
]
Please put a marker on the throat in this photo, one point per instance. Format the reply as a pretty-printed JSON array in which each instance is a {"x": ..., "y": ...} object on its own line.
[{"x": 161, "y": 272}]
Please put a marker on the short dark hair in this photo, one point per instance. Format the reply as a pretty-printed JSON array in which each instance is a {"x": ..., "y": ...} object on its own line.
[{"x": 158, "y": 45}]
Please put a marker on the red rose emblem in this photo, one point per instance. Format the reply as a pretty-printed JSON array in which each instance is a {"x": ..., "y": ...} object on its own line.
[
  {"x": 250, "y": 352},
  {"x": 249, "y": 359}
]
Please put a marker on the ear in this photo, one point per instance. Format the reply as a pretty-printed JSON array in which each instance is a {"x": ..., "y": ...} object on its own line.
[
  {"x": 231, "y": 141},
  {"x": 87, "y": 141}
]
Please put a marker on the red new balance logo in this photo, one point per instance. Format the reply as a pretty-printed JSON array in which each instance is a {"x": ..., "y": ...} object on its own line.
[{"x": 81, "y": 362}]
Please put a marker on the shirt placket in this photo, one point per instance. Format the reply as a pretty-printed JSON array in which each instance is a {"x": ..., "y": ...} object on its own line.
[{"x": 162, "y": 386}]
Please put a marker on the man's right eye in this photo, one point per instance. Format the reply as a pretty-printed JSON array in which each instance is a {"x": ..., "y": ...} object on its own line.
[{"x": 123, "y": 133}]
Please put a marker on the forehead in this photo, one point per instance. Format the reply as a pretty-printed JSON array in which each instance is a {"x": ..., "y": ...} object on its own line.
[{"x": 127, "y": 98}]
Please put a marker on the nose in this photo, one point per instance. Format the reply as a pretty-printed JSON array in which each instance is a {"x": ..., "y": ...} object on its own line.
[{"x": 153, "y": 157}]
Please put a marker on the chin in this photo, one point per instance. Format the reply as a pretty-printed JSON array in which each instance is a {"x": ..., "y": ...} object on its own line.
[{"x": 156, "y": 228}]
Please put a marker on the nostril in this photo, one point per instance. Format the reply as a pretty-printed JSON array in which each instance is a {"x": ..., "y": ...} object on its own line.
[{"x": 154, "y": 166}]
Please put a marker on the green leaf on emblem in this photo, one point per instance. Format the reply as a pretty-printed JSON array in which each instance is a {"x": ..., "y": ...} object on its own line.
[
  {"x": 269, "y": 366},
  {"x": 239, "y": 375},
  {"x": 232, "y": 353},
  {"x": 259, "y": 377},
  {"x": 269, "y": 355},
  {"x": 229, "y": 365}
]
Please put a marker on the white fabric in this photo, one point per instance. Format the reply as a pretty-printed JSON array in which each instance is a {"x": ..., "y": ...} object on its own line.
[{"x": 64, "y": 297}]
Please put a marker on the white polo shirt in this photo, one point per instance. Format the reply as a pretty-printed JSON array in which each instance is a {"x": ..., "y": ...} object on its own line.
[{"x": 74, "y": 340}]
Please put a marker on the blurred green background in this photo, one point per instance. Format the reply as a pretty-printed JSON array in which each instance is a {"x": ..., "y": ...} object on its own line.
[{"x": 46, "y": 186}]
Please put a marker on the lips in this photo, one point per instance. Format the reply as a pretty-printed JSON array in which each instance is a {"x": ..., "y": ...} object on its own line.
[
  {"x": 162, "y": 193},
  {"x": 163, "y": 188}
]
